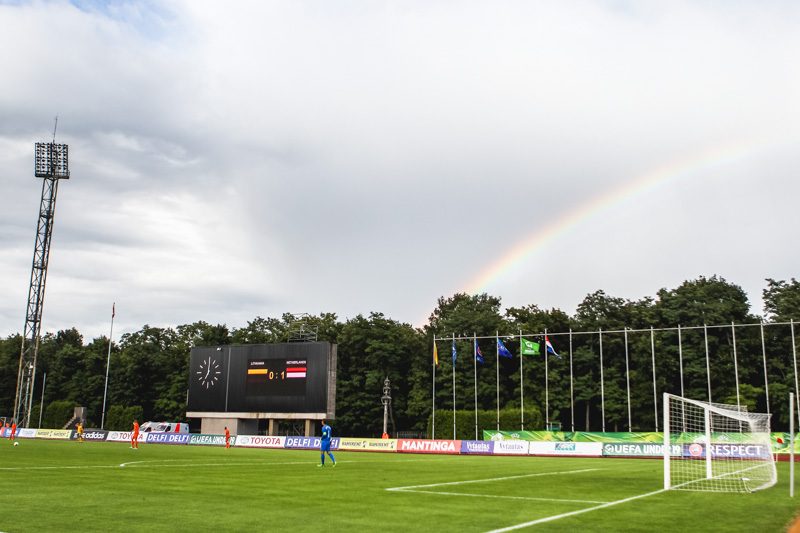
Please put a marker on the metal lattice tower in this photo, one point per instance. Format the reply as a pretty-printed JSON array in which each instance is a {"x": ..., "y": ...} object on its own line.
[
  {"x": 52, "y": 164},
  {"x": 301, "y": 328}
]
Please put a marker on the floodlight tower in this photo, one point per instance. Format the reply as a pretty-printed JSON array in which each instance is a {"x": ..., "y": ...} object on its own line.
[{"x": 52, "y": 164}]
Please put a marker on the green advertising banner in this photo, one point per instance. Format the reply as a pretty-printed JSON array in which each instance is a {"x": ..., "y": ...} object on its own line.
[
  {"x": 780, "y": 441},
  {"x": 208, "y": 440}
]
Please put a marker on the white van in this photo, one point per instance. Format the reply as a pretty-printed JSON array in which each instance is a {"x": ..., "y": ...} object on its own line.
[{"x": 164, "y": 427}]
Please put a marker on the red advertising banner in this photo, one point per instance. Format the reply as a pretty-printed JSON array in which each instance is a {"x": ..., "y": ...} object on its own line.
[{"x": 428, "y": 446}]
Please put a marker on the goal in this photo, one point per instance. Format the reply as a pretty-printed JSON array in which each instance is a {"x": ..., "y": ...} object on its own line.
[{"x": 715, "y": 447}]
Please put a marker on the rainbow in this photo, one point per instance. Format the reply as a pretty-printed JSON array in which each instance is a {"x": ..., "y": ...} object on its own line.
[{"x": 694, "y": 164}]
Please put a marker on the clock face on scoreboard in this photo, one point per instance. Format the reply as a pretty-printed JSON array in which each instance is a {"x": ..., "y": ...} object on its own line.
[
  {"x": 276, "y": 377},
  {"x": 208, "y": 372}
]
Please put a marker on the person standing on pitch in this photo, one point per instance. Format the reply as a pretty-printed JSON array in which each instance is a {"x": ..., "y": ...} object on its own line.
[
  {"x": 135, "y": 435},
  {"x": 13, "y": 430},
  {"x": 227, "y": 437},
  {"x": 325, "y": 444},
  {"x": 79, "y": 431}
]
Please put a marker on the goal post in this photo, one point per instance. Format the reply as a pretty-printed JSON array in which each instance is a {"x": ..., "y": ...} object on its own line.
[{"x": 716, "y": 447}]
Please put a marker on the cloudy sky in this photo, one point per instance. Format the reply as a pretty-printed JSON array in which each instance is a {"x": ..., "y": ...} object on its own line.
[{"x": 241, "y": 159}]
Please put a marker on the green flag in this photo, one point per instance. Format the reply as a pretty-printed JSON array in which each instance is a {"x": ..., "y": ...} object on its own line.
[{"x": 529, "y": 347}]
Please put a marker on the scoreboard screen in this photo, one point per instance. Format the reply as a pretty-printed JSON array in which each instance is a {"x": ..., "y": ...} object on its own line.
[
  {"x": 297, "y": 377},
  {"x": 284, "y": 377}
]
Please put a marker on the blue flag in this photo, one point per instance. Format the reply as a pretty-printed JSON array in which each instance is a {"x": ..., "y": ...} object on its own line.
[
  {"x": 502, "y": 350},
  {"x": 478, "y": 354},
  {"x": 454, "y": 352}
]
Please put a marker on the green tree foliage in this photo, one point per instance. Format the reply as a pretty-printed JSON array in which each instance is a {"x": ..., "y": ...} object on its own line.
[
  {"x": 58, "y": 413},
  {"x": 782, "y": 300},
  {"x": 369, "y": 350},
  {"x": 486, "y": 420},
  {"x": 120, "y": 417}
]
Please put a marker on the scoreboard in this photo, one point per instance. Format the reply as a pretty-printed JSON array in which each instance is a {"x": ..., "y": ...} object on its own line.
[{"x": 263, "y": 378}]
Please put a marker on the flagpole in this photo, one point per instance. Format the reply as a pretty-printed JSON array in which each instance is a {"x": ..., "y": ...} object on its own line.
[
  {"x": 736, "y": 367},
  {"x": 628, "y": 378},
  {"x": 794, "y": 365},
  {"x": 108, "y": 364},
  {"x": 571, "y": 393},
  {"x": 708, "y": 363},
  {"x": 433, "y": 397},
  {"x": 453, "y": 348},
  {"x": 521, "y": 387},
  {"x": 41, "y": 404},
  {"x": 764, "y": 356},
  {"x": 680, "y": 357},
  {"x": 546, "y": 386},
  {"x": 602, "y": 385},
  {"x": 655, "y": 393},
  {"x": 497, "y": 372},
  {"x": 475, "y": 372}
]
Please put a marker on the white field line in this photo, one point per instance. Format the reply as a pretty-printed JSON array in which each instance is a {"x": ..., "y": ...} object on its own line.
[
  {"x": 140, "y": 464},
  {"x": 501, "y": 497},
  {"x": 62, "y": 467},
  {"x": 411, "y": 488},
  {"x": 573, "y": 513}
]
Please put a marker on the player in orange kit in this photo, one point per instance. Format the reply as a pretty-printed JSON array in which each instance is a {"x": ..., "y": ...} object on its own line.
[{"x": 135, "y": 435}]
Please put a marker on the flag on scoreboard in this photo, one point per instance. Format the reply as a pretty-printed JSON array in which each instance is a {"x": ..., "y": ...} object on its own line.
[
  {"x": 549, "y": 347},
  {"x": 478, "y": 354},
  {"x": 435, "y": 354},
  {"x": 529, "y": 347},
  {"x": 295, "y": 371},
  {"x": 502, "y": 350}
]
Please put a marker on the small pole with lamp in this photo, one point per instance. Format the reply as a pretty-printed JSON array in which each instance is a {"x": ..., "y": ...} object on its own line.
[{"x": 386, "y": 400}]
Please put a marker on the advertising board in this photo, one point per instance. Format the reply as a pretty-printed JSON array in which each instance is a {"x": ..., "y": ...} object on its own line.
[
  {"x": 428, "y": 446},
  {"x": 477, "y": 447},
  {"x": 308, "y": 443},
  {"x": 511, "y": 447},
  {"x": 168, "y": 438},
  {"x": 54, "y": 434},
  {"x": 260, "y": 441},
  {"x": 124, "y": 436},
  {"x": 584, "y": 449}
]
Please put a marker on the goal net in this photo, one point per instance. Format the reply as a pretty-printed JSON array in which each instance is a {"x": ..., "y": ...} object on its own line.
[{"x": 715, "y": 447}]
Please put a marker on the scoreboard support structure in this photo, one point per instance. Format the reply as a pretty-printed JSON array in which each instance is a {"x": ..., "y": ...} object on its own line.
[{"x": 248, "y": 423}]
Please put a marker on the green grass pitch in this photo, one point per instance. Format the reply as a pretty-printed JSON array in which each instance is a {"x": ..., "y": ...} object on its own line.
[{"x": 70, "y": 486}]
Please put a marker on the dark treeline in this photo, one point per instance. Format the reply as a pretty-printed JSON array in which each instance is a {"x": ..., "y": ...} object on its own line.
[{"x": 150, "y": 366}]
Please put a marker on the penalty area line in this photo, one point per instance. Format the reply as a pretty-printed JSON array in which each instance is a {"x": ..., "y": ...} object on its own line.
[
  {"x": 573, "y": 513},
  {"x": 527, "y": 498},
  {"x": 411, "y": 488}
]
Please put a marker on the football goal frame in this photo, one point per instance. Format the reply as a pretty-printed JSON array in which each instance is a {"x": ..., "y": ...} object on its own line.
[{"x": 716, "y": 447}]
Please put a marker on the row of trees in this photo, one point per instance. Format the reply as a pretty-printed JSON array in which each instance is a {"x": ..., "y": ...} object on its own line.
[{"x": 150, "y": 366}]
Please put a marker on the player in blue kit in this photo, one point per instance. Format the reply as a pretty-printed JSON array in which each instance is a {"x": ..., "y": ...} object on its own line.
[{"x": 325, "y": 444}]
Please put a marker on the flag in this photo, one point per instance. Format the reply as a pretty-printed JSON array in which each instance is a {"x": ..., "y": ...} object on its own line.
[
  {"x": 454, "y": 352},
  {"x": 113, "y": 307},
  {"x": 478, "y": 354},
  {"x": 502, "y": 350},
  {"x": 435, "y": 355},
  {"x": 529, "y": 347},
  {"x": 549, "y": 347}
]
